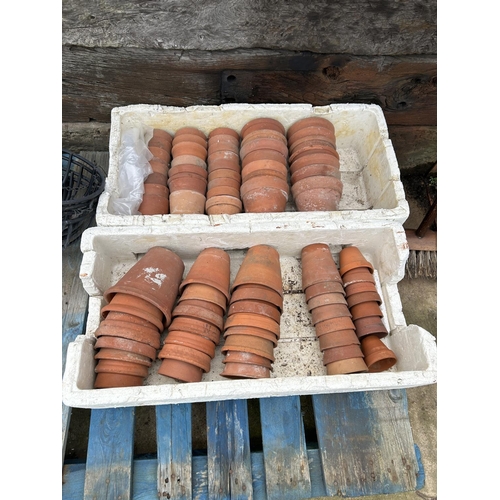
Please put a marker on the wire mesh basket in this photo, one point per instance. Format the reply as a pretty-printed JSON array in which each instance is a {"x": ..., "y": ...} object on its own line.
[{"x": 82, "y": 184}]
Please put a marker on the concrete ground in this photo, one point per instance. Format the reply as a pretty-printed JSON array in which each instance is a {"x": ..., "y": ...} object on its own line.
[{"x": 419, "y": 300}]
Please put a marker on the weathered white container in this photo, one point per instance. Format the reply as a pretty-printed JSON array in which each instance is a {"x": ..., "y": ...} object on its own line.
[
  {"x": 368, "y": 165},
  {"x": 108, "y": 253}
]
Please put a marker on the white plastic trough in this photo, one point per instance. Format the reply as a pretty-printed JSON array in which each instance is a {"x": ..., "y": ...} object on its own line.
[
  {"x": 108, "y": 253},
  {"x": 368, "y": 165}
]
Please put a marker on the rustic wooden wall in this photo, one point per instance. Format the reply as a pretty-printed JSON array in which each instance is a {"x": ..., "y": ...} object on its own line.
[{"x": 182, "y": 53}]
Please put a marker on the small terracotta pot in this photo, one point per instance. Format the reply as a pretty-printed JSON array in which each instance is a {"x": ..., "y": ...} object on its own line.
[
  {"x": 314, "y": 159},
  {"x": 204, "y": 292},
  {"x": 264, "y": 154},
  {"x": 224, "y": 164},
  {"x": 126, "y": 345},
  {"x": 159, "y": 167},
  {"x": 257, "y": 292},
  {"x": 342, "y": 352},
  {"x": 358, "y": 298},
  {"x": 223, "y": 145},
  {"x": 249, "y": 330},
  {"x": 153, "y": 204},
  {"x": 189, "y": 160},
  {"x": 264, "y": 200},
  {"x": 155, "y": 278},
  {"x": 347, "y": 366},
  {"x": 351, "y": 258},
  {"x": 198, "y": 312},
  {"x": 180, "y": 370},
  {"x": 223, "y": 205},
  {"x": 318, "y": 200},
  {"x": 248, "y": 358},
  {"x": 249, "y": 343},
  {"x": 264, "y": 133},
  {"x": 119, "y": 355},
  {"x": 156, "y": 189},
  {"x": 187, "y": 202},
  {"x": 358, "y": 275},
  {"x": 255, "y": 307},
  {"x": 160, "y": 138},
  {"x": 190, "y": 131},
  {"x": 188, "y": 182},
  {"x": 378, "y": 356},
  {"x": 311, "y": 133},
  {"x": 230, "y": 156},
  {"x": 261, "y": 123},
  {"x": 224, "y": 182},
  {"x": 318, "y": 265},
  {"x": 186, "y": 354},
  {"x": 311, "y": 121},
  {"x": 130, "y": 331},
  {"x": 223, "y": 131},
  {"x": 328, "y": 312},
  {"x": 312, "y": 149},
  {"x": 313, "y": 170},
  {"x": 322, "y": 288},
  {"x": 191, "y": 340},
  {"x": 243, "y": 370},
  {"x": 122, "y": 367},
  {"x": 264, "y": 167},
  {"x": 258, "y": 144},
  {"x": 365, "y": 309},
  {"x": 188, "y": 169},
  {"x": 334, "y": 325},
  {"x": 362, "y": 286},
  {"x": 317, "y": 182},
  {"x": 371, "y": 325},
  {"x": 156, "y": 178},
  {"x": 196, "y": 326},
  {"x": 114, "y": 380},
  {"x": 187, "y": 137},
  {"x": 198, "y": 302},
  {"x": 211, "y": 267},
  {"x": 325, "y": 299},
  {"x": 261, "y": 266},
  {"x": 265, "y": 182},
  {"x": 338, "y": 339},
  {"x": 253, "y": 320},
  {"x": 223, "y": 191}
]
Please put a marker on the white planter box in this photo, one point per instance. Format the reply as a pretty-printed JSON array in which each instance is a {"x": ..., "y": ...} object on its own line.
[
  {"x": 108, "y": 253},
  {"x": 368, "y": 165}
]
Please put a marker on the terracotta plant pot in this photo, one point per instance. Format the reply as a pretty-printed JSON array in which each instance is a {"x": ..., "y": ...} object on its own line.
[
  {"x": 189, "y": 137},
  {"x": 204, "y": 292},
  {"x": 155, "y": 278},
  {"x": 347, "y": 366},
  {"x": 153, "y": 204},
  {"x": 264, "y": 133},
  {"x": 243, "y": 370},
  {"x": 257, "y": 292},
  {"x": 191, "y": 340},
  {"x": 358, "y": 298},
  {"x": 371, "y": 325},
  {"x": 230, "y": 156},
  {"x": 211, "y": 267},
  {"x": 318, "y": 265},
  {"x": 126, "y": 345},
  {"x": 358, "y": 275},
  {"x": 156, "y": 189},
  {"x": 130, "y": 331},
  {"x": 312, "y": 159},
  {"x": 115, "y": 380},
  {"x": 334, "y": 325},
  {"x": 231, "y": 164},
  {"x": 223, "y": 131},
  {"x": 322, "y": 288},
  {"x": 188, "y": 169},
  {"x": 338, "y": 339},
  {"x": 261, "y": 123},
  {"x": 122, "y": 367},
  {"x": 224, "y": 182},
  {"x": 264, "y": 200},
  {"x": 351, "y": 258},
  {"x": 317, "y": 147},
  {"x": 321, "y": 199},
  {"x": 342, "y": 352},
  {"x": 198, "y": 312},
  {"x": 188, "y": 182},
  {"x": 249, "y": 330},
  {"x": 362, "y": 286},
  {"x": 253, "y": 320},
  {"x": 190, "y": 131},
  {"x": 159, "y": 167},
  {"x": 248, "y": 358},
  {"x": 224, "y": 173},
  {"x": 264, "y": 167},
  {"x": 255, "y": 307},
  {"x": 314, "y": 170},
  {"x": 196, "y": 326},
  {"x": 189, "y": 148},
  {"x": 197, "y": 302},
  {"x": 188, "y": 160},
  {"x": 227, "y": 204},
  {"x": 119, "y": 355},
  {"x": 180, "y": 370},
  {"x": 223, "y": 191},
  {"x": 312, "y": 121},
  {"x": 326, "y": 299},
  {"x": 186, "y": 354},
  {"x": 365, "y": 309},
  {"x": 249, "y": 343},
  {"x": 378, "y": 356},
  {"x": 261, "y": 266},
  {"x": 161, "y": 139},
  {"x": 224, "y": 145},
  {"x": 328, "y": 312},
  {"x": 187, "y": 202},
  {"x": 156, "y": 178},
  {"x": 311, "y": 133},
  {"x": 264, "y": 154}
]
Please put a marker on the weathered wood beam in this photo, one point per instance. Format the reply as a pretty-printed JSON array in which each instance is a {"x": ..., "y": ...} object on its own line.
[{"x": 364, "y": 27}]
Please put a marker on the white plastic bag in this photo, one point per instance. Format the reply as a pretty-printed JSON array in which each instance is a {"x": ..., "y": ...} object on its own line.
[{"x": 134, "y": 168}]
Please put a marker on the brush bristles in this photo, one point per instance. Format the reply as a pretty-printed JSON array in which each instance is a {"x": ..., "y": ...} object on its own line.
[{"x": 421, "y": 264}]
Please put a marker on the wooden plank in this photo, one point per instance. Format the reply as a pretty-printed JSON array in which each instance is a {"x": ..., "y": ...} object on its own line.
[
  {"x": 95, "y": 81},
  {"x": 174, "y": 451},
  {"x": 228, "y": 450},
  {"x": 284, "y": 447},
  {"x": 365, "y": 442},
  {"x": 109, "y": 463},
  {"x": 367, "y": 28}
]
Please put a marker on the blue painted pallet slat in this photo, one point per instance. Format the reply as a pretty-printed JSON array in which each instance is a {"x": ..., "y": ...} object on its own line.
[
  {"x": 174, "y": 450},
  {"x": 228, "y": 450},
  {"x": 284, "y": 447},
  {"x": 110, "y": 450},
  {"x": 365, "y": 441}
]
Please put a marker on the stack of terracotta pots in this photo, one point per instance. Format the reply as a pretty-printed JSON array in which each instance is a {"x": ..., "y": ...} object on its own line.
[
  {"x": 139, "y": 308},
  {"x": 314, "y": 164},
  {"x": 155, "y": 199},
  {"x": 224, "y": 172},
  {"x": 364, "y": 303},
  {"x": 198, "y": 318},
  {"x": 264, "y": 161},
  {"x": 326, "y": 301},
  {"x": 252, "y": 326},
  {"x": 187, "y": 179}
]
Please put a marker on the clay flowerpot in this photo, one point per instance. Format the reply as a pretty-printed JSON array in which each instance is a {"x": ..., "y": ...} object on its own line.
[
  {"x": 320, "y": 192},
  {"x": 250, "y": 330},
  {"x": 347, "y": 366},
  {"x": 180, "y": 370},
  {"x": 201, "y": 291},
  {"x": 263, "y": 182},
  {"x": 312, "y": 159},
  {"x": 311, "y": 133},
  {"x": 326, "y": 299},
  {"x": 371, "y": 325},
  {"x": 365, "y": 309},
  {"x": 113, "y": 380},
  {"x": 314, "y": 170},
  {"x": 191, "y": 340},
  {"x": 226, "y": 156},
  {"x": 253, "y": 320},
  {"x": 130, "y": 331},
  {"x": 126, "y": 345},
  {"x": 318, "y": 265},
  {"x": 338, "y": 339},
  {"x": 211, "y": 267},
  {"x": 261, "y": 266},
  {"x": 187, "y": 202},
  {"x": 378, "y": 356},
  {"x": 260, "y": 124},
  {"x": 231, "y": 164},
  {"x": 329, "y": 311},
  {"x": 248, "y": 358},
  {"x": 196, "y": 326},
  {"x": 189, "y": 148},
  {"x": 188, "y": 169},
  {"x": 257, "y": 292},
  {"x": 264, "y": 133},
  {"x": 119, "y": 355},
  {"x": 351, "y": 258},
  {"x": 360, "y": 287},
  {"x": 188, "y": 137},
  {"x": 312, "y": 148},
  {"x": 133, "y": 305},
  {"x": 264, "y": 167},
  {"x": 122, "y": 367},
  {"x": 249, "y": 343},
  {"x": 155, "y": 278},
  {"x": 334, "y": 325},
  {"x": 190, "y": 131},
  {"x": 161, "y": 154},
  {"x": 311, "y": 121},
  {"x": 224, "y": 182},
  {"x": 187, "y": 182},
  {"x": 156, "y": 178},
  {"x": 223, "y": 191},
  {"x": 198, "y": 312},
  {"x": 160, "y": 139},
  {"x": 223, "y": 204},
  {"x": 156, "y": 189},
  {"x": 342, "y": 352},
  {"x": 223, "y": 131},
  {"x": 265, "y": 199},
  {"x": 159, "y": 167},
  {"x": 244, "y": 370},
  {"x": 188, "y": 160},
  {"x": 322, "y": 288},
  {"x": 264, "y": 154},
  {"x": 358, "y": 275},
  {"x": 255, "y": 307},
  {"x": 154, "y": 204},
  {"x": 358, "y": 298},
  {"x": 223, "y": 145},
  {"x": 197, "y": 302},
  {"x": 186, "y": 354}
]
